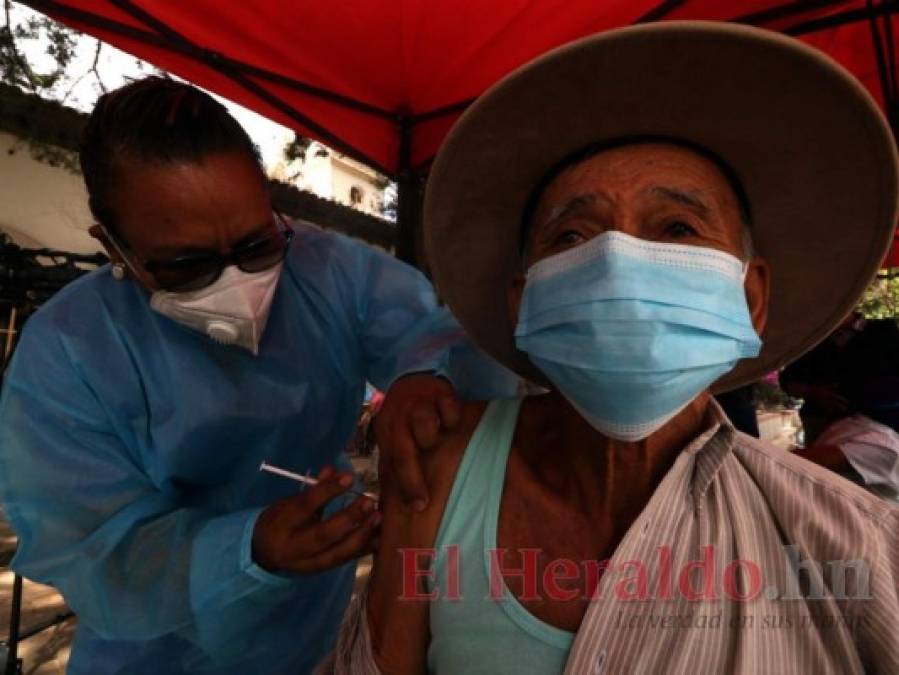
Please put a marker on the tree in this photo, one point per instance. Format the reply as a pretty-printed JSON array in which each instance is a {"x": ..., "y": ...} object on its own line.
[
  {"x": 389, "y": 197},
  {"x": 59, "y": 44},
  {"x": 296, "y": 148},
  {"x": 27, "y": 37},
  {"x": 15, "y": 68},
  {"x": 881, "y": 299},
  {"x": 42, "y": 57}
]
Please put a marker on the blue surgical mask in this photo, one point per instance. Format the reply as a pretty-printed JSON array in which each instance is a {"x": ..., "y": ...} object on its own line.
[{"x": 631, "y": 331}]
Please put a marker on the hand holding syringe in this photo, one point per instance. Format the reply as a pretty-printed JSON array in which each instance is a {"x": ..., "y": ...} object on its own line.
[
  {"x": 294, "y": 534},
  {"x": 306, "y": 480}
]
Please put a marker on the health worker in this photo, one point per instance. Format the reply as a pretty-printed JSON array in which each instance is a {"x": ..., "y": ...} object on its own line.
[{"x": 143, "y": 398}]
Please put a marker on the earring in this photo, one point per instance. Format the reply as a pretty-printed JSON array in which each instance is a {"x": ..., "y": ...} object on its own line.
[{"x": 118, "y": 271}]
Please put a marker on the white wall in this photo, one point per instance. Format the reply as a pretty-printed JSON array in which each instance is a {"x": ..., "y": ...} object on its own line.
[
  {"x": 317, "y": 174},
  {"x": 346, "y": 174},
  {"x": 45, "y": 206},
  {"x": 41, "y": 205},
  {"x": 331, "y": 176}
]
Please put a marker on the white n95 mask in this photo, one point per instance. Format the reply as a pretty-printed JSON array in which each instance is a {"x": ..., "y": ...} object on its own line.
[
  {"x": 231, "y": 311},
  {"x": 630, "y": 331}
]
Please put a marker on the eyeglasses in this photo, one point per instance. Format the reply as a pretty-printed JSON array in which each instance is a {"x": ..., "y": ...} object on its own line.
[{"x": 198, "y": 270}]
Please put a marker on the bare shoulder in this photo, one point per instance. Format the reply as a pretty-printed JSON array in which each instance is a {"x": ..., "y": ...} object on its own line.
[
  {"x": 440, "y": 463},
  {"x": 405, "y": 531}
]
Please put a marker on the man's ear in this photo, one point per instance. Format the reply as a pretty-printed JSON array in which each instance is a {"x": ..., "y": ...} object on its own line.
[
  {"x": 513, "y": 295},
  {"x": 97, "y": 233},
  {"x": 758, "y": 287}
]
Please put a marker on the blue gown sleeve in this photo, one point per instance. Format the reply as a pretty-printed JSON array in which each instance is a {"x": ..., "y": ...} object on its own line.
[
  {"x": 403, "y": 329},
  {"x": 130, "y": 561}
]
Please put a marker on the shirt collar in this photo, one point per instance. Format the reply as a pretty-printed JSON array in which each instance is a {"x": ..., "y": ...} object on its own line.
[{"x": 710, "y": 449}]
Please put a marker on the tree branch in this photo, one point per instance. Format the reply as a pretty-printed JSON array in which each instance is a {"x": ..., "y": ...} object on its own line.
[
  {"x": 94, "y": 67},
  {"x": 25, "y": 69},
  {"x": 78, "y": 79}
]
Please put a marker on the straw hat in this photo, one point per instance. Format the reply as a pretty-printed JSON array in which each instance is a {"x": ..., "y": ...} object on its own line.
[{"x": 810, "y": 146}]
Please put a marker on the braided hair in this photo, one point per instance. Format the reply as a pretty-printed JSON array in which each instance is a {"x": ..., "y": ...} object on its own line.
[{"x": 153, "y": 120}]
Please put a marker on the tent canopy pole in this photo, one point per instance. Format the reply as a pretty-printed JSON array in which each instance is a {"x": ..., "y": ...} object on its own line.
[{"x": 409, "y": 184}]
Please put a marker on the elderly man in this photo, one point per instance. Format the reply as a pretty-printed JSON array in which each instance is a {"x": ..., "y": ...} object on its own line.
[{"x": 605, "y": 199}]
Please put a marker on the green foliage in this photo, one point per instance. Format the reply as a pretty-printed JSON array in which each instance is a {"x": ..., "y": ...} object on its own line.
[
  {"x": 881, "y": 299},
  {"x": 296, "y": 148},
  {"x": 59, "y": 41},
  {"x": 54, "y": 81},
  {"x": 50, "y": 154},
  {"x": 389, "y": 201}
]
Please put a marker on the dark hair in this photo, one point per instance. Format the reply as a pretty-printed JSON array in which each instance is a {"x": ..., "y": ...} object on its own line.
[
  {"x": 155, "y": 120},
  {"x": 583, "y": 154}
]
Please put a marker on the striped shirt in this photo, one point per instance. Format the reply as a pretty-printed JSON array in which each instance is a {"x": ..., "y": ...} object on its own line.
[{"x": 746, "y": 559}]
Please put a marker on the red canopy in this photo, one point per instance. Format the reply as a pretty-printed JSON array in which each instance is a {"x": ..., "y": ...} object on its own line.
[
  {"x": 383, "y": 80},
  {"x": 353, "y": 74},
  {"x": 892, "y": 259}
]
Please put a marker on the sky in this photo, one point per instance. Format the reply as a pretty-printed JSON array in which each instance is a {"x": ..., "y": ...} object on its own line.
[{"x": 117, "y": 67}]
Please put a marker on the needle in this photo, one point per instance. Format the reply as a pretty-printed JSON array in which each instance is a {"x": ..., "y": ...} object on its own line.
[{"x": 270, "y": 468}]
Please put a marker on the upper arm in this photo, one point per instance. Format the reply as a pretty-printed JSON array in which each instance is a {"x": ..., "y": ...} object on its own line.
[
  {"x": 402, "y": 328},
  {"x": 396, "y": 603}
]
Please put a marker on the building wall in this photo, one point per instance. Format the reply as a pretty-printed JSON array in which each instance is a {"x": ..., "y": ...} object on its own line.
[
  {"x": 333, "y": 176},
  {"x": 42, "y": 206},
  {"x": 347, "y": 176},
  {"x": 318, "y": 174}
]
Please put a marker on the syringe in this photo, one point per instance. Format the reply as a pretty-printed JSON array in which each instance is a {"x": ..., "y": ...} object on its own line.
[{"x": 307, "y": 480}]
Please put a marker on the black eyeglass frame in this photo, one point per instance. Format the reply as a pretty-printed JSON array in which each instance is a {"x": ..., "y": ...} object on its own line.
[{"x": 218, "y": 260}]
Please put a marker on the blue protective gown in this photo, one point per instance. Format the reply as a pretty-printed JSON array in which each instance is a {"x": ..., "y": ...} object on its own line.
[{"x": 130, "y": 447}]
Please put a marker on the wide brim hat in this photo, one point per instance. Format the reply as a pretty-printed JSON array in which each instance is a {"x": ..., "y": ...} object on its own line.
[{"x": 809, "y": 145}]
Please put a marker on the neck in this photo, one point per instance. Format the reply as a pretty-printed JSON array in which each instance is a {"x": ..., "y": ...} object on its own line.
[{"x": 570, "y": 457}]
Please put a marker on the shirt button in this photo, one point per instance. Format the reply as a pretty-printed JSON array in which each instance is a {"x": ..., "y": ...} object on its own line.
[
  {"x": 600, "y": 666},
  {"x": 645, "y": 527}
]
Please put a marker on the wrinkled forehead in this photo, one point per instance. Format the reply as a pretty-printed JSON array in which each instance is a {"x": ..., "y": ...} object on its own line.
[{"x": 690, "y": 166}]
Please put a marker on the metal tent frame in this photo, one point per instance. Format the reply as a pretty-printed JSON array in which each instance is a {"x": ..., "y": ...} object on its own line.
[{"x": 410, "y": 178}]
